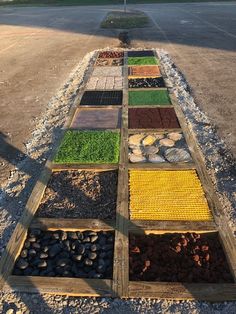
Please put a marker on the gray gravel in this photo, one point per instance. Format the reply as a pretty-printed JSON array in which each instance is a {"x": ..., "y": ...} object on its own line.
[{"x": 15, "y": 194}]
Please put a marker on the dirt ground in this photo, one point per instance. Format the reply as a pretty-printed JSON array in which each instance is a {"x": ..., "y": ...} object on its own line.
[{"x": 39, "y": 47}]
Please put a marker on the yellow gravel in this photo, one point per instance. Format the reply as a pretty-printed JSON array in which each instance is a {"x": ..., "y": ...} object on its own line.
[{"x": 167, "y": 195}]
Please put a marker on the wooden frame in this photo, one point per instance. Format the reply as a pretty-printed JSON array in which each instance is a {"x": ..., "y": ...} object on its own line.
[{"x": 120, "y": 284}]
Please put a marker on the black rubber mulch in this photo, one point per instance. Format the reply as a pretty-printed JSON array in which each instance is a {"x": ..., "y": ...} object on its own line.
[
  {"x": 146, "y": 82},
  {"x": 143, "y": 53},
  {"x": 102, "y": 98}
]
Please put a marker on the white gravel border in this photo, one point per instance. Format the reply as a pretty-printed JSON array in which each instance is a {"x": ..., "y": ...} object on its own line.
[{"x": 14, "y": 195}]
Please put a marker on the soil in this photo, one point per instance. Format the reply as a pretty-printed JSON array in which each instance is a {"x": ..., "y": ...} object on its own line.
[
  {"x": 150, "y": 118},
  {"x": 146, "y": 82},
  {"x": 86, "y": 254},
  {"x": 80, "y": 194},
  {"x": 97, "y": 119},
  {"x": 176, "y": 257},
  {"x": 144, "y": 71},
  {"x": 94, "y": 98},
  {"x": 111, "y": 54}
]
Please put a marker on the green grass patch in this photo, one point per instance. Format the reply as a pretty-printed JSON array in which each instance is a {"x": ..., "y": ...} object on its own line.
[
  {"x": 124, "y": 20},
  {"x": 153, "y": 97},
  {"x": 143, "y": 61},
  {"x": 88, "y": 147}
]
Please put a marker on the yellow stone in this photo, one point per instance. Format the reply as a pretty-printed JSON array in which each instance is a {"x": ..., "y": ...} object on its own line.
[{"x": 149, "y": 140}]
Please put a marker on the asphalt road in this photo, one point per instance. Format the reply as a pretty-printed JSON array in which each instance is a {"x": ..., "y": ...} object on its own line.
[{"x": 39, "y": 47}]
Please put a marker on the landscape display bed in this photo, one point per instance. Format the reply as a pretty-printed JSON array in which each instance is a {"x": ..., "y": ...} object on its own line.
[
  {"x": 104, "y": 194},
  {"x": 152, "y": 118},
  {"x": 80, "y": 194},
  {"x": 89, "y": 147},
  {"x": 102, "y": 98},
  {"x": 80, "y": 254},
  {"x": 149, "y": 98},
  {"x": 167, "y": 195},
  {"x": 178, "y": 257},
  {"x": 97, "y": 118},
  {"x": 143, "y": 61},
  {"x": 155, "y": 82},
  {"x": 144, "y": 71},
  {"x": 141, "y": 53},
  {"x": 158, "y": 147}
]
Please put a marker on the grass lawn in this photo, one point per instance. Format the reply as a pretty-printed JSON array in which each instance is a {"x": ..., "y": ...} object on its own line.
[
  {"x": 143, "y": 61},
  {"x": 153, "y": 97},
  {"x": 119, "y": 19},
  {"x": 93, "y": 2},
  {"x": 89, "y": 147}
]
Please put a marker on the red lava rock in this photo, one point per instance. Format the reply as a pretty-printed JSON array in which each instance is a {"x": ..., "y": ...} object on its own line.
[
  {"x": 135, "y": 250},
  {"x": 111, "y": 54},
  {"x": 205, "y": 248},
  {"x": 178, "y": 258},
  {"x": 196, "y": 258}
]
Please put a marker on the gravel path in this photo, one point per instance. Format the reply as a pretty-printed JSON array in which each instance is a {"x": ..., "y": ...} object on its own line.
[{"x": 15, "y": 194}]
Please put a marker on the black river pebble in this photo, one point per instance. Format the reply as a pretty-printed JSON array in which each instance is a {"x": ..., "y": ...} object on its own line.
[{"x": 86, "y": 254}]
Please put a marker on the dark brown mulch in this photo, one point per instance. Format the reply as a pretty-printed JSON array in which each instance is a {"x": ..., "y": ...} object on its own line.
[
  {"x": 80, "y": 194},
  {"x": 150, "y": 118},
  {"x": 176, "y": 257}
]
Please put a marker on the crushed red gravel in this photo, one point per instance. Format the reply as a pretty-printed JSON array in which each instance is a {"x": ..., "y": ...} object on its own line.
[
  {"x": 188, "y": 257},
  {"x": 150, "y": 118},
  {"x": 80, "y": 194}
]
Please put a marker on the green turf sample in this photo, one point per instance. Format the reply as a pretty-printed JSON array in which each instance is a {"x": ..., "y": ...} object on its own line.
[
  {"x": 151, "y": 98},
  {"x": 143, "y": 61},
  {"x": 88, "y": 147}
]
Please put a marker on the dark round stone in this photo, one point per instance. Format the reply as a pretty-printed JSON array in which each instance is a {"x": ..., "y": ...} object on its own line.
[
  {"x": 72, "y": 235},
  {"x": 24, "y": 253},
  {"x": 45, "y": 249},
  {"x": 36, "y": 246},
  {"x": 63, "y": 236},
  {"x": 56, "y": 235},
  {"x": 77, "y": 258},
  {"x": 54, "y": 250},
  {"x": 32, "y": 239},
  {"x": 67, "y": 273},
  {"x": 88, "y": 262},
  {"x": 22, "y": 264},
  {"x": 27, "y": 245},
  {"x": 80, "y": 235},
  {"x": 86, "y": 239},
  {"x": 94, "y": 247},
  {"x": 42, "y": 264},
  {"x": 81, "y": 249},
  {"x": 102, "y": 254},
  {"x": 92, "y": 255},
  {"x": 43, "y": 255},
  {"x": 93, "y": 238},
  {"x": 101, "y": 269},
  {"x": 32, "y": 252},
  {"x": 63, "y": 262}
]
